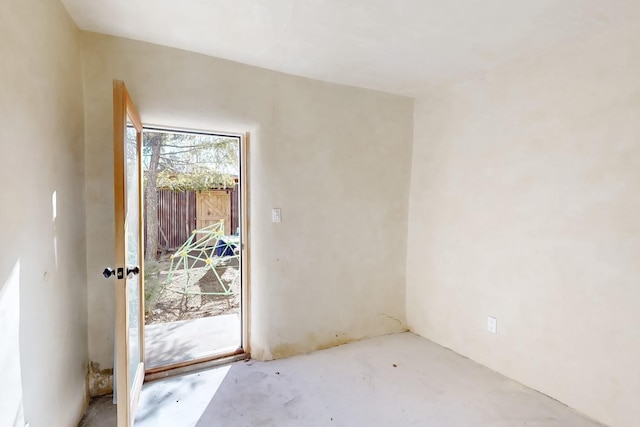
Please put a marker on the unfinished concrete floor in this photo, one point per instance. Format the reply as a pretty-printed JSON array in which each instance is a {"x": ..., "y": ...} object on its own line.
[{"x": 395, "y": 380}]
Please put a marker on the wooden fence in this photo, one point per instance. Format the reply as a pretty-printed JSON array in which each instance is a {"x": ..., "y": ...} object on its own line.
[{"x": 178, "y": 216}]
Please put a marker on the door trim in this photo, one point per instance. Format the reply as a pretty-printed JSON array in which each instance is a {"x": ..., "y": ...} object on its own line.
[
  {"x": 245, "y": 243},
  {"x": 245, "y": 350}
]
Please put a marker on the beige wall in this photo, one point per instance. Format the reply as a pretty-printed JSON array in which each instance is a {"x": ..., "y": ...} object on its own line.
[
  {"x": 525, "y": 205},
  {"x": 43, "y": 299},
  {"x": 335, "y": 159}
]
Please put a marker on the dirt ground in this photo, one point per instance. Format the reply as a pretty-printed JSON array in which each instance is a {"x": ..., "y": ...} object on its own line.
[{"x": 185, "y": 295}]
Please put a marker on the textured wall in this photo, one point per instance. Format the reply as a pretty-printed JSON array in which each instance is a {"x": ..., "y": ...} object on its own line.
[
  {"x": 335, "y": 159},
  {"x": 524, "y": 205},
  {"x": 43, "y": 299}
]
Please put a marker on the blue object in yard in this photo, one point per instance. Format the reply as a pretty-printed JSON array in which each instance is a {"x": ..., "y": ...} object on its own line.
[{"x": 225, "y": 249}]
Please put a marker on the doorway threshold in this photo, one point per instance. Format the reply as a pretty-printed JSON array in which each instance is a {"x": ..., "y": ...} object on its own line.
[{"x": 195, "y": 365}]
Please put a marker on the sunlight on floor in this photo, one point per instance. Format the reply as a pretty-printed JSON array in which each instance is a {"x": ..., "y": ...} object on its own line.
[{"x": 179, "y": 401}]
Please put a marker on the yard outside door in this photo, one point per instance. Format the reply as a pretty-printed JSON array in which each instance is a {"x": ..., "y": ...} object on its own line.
[{"x": 128, "y": 270}]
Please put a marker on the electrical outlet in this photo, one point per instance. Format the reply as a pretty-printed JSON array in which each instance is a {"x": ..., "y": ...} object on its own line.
[{"x": 492, "y": 325}]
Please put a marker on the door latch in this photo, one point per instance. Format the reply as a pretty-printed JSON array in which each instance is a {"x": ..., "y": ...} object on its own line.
[{"x": 119, "y": 273}]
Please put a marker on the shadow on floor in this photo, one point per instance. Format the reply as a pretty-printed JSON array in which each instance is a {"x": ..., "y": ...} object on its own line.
[{"x": 101, "y": 413}]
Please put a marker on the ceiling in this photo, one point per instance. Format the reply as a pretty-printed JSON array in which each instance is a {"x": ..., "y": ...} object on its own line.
[{"x": 397, "y": 46}]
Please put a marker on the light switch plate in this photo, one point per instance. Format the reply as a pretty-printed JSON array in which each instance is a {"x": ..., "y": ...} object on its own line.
[
  {"x": 276, "y": 215},
  {"x": 492, "y": 325}
]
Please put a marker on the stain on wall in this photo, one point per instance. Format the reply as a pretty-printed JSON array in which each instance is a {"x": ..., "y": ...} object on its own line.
[{"x": 100, "y": 380}]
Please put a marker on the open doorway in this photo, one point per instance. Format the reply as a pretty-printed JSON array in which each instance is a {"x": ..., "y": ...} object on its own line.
[{"x": 193, "y": 259}]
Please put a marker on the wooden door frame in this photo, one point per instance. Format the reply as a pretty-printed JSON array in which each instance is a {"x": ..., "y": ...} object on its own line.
[
  {"x": 245, "y": 246},
  {"x": 124, "y": 107},
  {"x": 245, "y": 233}
]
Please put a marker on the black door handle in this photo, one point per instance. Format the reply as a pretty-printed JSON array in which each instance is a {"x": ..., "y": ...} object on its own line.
[
  {"x": 108, "y": 272},
  {"x": 135, "y": 270}
]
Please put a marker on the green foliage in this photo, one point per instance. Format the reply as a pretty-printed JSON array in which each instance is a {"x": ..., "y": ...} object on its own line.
[
  {"x": 190, "y": 161},
  {"x": 196, "y": 181}
]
